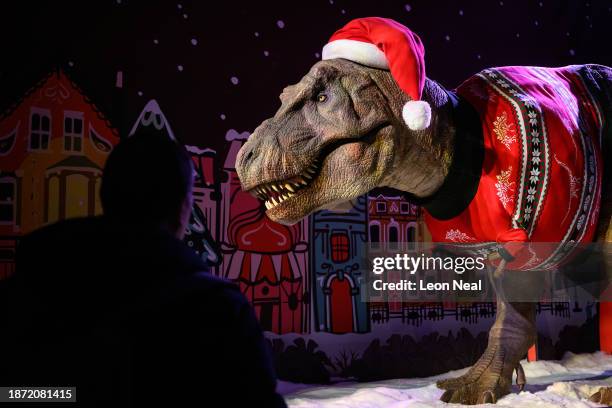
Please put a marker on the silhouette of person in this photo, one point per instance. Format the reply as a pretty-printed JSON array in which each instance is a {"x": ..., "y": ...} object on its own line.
[{"x": 121, "y": 308}]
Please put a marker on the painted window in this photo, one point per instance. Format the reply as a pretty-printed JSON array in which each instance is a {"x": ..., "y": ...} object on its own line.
[
  {"x": 393, "y": 237},
  {"x": 339, "y": 247},
  {"x": 40, "y": 129},
  {"x": 411, "y": 237},
  {"x": 375, "y": 236},
  {"x": 73, "y": 131},
  {"x": 405, "y": 208},
  {"x": 7, "y": 201},
  {"x": 381, "y": 206}
]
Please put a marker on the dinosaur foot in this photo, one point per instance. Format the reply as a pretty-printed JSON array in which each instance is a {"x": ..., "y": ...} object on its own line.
[
  {"x": 603, "y": 396},
  {"x": 487, "y": 381}
]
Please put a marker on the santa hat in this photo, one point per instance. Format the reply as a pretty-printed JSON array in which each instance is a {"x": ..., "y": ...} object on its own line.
[{"x": 386, "y": 44}]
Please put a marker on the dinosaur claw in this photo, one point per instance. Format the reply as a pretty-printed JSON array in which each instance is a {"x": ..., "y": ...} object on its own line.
[
  {"x": 602, "y": 396},
  {"x": 521, "y": 380},
  {"x": 487, "y": 397},
  {"x": 446, "y": 397}
]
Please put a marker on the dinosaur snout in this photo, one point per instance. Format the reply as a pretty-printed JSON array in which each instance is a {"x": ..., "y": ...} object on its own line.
[
  {"x": 244, "y": 160},
  {"x": 245, "y": 156}
]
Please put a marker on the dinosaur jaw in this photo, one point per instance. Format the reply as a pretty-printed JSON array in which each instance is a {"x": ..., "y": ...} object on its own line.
[
  {"x": 324, "y": 182},
  {"x": 275, "y": 193}
]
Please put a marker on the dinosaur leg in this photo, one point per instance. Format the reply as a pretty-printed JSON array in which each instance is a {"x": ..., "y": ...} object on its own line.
[
  {"x": 604, "y": 394},
  {"x": 491, "y": 377},
  {"x": 604, "y": 225}
]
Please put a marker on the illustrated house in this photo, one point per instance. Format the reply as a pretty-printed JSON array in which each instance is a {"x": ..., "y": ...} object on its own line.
[
  {"x": 339, "y": 264},
  {"x": 53, "y": 145},
  {"x": 204, "y": 227},
  {"x": 268, "y": 260},
  {"x": 202, "y": 230},
  {"x": 394, "y": 227}
]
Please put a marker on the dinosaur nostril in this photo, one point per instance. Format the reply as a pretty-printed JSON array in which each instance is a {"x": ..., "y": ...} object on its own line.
[{"x": 248, "y": 156}]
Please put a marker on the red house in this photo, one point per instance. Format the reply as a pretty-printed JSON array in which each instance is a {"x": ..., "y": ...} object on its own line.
[{"x": 53, "y": 145}]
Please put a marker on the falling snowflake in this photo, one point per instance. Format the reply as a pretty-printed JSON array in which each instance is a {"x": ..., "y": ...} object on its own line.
[
  {"x": 185, "y": 16},
  {"x": 572, "y": 52},
  {"x": 408, "y": 7},
  {"x": 503, "y": 130},
  {"x": 194, "y": 41},
  {"x": 343, "y": 11},
  {"x": 456, "y": 235},
  {"x": 504, "y": 186},
  {"x": 234, "y": 80},
  {"x": 266, "y": 53},
  {"x": 180, "y": 68},
  {"x": 317, "y": 55},
  {"x": 256, "y": 34},
  {"x": 70, "y": 63},
  {"x": 280, "y": 24},
  {"x": 155, "y": 41},
  {"x": 139, "y": 93},
  {"x": 222, "y": 116},
  {"x": 447, "y": 37},
  {"x": 460, "y": 12}
]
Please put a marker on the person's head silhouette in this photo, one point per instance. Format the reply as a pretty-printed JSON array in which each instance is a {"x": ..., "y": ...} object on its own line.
[{"x": 148, "y": 180}]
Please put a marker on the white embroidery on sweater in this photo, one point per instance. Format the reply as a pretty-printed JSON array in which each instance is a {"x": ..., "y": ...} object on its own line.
[
  {"x": 504, "y": 186},
  {"x": 456, "y": 235}
]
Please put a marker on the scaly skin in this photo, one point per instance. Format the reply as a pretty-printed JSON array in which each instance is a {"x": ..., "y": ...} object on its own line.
[
  {"x": 337, "y": 135},
  {"x": 491, "y": 377}
]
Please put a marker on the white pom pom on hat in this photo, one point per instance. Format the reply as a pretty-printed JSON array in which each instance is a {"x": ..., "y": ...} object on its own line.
[
  {"x": 386, "y": 44},
  {"x": 417, "y": 114}
]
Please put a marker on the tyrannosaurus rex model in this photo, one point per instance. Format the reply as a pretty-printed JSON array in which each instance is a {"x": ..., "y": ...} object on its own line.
[{"x": 513, "y": 155}]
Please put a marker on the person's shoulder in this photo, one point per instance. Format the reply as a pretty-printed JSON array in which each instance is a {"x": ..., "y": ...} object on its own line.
[
  {"x": 206, "y": 281},
  {"x": 54, "y": 234}
]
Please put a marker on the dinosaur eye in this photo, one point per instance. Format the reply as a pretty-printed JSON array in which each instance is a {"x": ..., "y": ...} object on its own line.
[{"x": 321, "y": 97}]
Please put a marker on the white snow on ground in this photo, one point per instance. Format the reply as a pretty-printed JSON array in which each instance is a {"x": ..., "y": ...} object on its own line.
[{"x": 565, "y": 383}]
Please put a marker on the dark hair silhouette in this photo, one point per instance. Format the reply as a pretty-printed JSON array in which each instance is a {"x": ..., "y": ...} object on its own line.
[{"x": 146, "y": 179}]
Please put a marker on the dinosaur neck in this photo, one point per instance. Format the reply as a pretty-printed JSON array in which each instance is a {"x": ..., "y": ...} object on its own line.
[{"x": 445, "y": 160}]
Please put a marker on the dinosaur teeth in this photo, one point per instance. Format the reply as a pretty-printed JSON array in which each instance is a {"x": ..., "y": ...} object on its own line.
[
  {"x": 274, "y": 187},
  {"x": 268, "y": 205},
  {"x": 288, "y": 187}
]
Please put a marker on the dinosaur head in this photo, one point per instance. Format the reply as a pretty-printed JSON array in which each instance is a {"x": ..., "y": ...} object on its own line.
[{"x": 337, "y": 135}]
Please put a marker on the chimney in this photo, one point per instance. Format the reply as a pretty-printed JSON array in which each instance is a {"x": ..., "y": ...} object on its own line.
[{"x": 118, "y": 108}]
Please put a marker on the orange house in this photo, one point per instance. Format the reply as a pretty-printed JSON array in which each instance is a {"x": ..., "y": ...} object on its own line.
[{"x": 53, "y": 145}]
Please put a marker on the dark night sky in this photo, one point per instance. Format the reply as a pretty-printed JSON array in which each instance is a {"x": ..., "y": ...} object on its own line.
[{"x": 266, "y": 46}]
